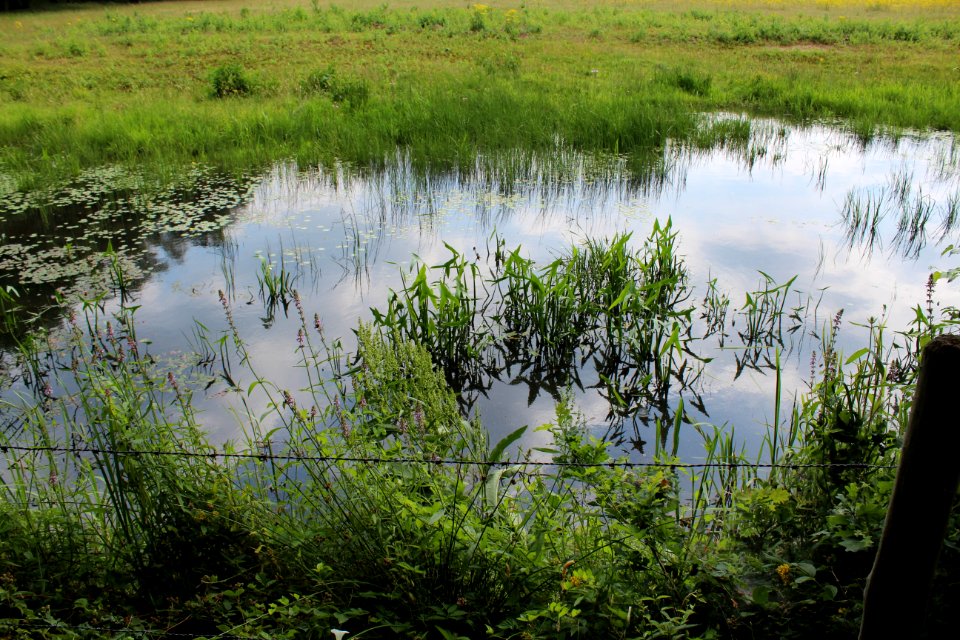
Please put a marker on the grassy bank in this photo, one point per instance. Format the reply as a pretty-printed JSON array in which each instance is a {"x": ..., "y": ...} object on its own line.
[{"x": 169, "y": 83}]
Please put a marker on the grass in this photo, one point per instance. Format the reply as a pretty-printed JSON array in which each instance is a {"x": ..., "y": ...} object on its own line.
[
  {"x": 145, "y": 85},
  {"x": 865, "y": 209}
]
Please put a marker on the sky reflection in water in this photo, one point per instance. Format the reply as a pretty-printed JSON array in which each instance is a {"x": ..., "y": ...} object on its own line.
[{"x": 778, "y": 207}]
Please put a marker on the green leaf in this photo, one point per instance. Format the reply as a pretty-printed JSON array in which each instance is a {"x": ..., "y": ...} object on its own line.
[
  {"x": 505, "y": 442},
  {"x": 492, "y": 486},
  {"x": 857, "y": 355},
  {"x": 760, "y": 595},
  {"x": 856, "y": 544},
  {"x": 627, "y": 290}
]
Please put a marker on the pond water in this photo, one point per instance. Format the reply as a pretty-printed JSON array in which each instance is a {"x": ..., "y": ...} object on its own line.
[{"x": 849, "y": 224}]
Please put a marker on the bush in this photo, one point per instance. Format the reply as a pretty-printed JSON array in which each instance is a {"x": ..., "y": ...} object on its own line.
[{"x": 230, "y": 80}]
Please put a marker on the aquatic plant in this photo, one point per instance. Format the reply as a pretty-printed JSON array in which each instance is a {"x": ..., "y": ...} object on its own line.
[
  {"x": 276, "y": 286},
  {"x": 604, "y": 303},
  {"x": 864, "y": 212},
  {"x": 446, "y": 316},
  {"x": 8, "y": 301},
  {"x": 762, "y": 320}
]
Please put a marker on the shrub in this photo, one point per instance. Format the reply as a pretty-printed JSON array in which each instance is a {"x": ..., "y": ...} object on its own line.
[{"x": 230, "y": 80}]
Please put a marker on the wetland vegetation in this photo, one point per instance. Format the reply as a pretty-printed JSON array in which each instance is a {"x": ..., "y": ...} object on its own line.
[{"x": 458, "y": 322}]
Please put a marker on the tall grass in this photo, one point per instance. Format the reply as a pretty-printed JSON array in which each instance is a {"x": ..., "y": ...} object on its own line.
[
  {"x": 445, "y": 82},
  {"x": 147, "y": 518},
  {"x": 436, "y": 126}
]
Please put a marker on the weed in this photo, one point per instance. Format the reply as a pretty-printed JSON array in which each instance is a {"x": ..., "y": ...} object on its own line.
[
  {"x": 434, "y": 21},
  {"x": 276, "y": 286},
  {"x": 76, "y": 49},
  {"x": 763, "y": 313},
  {"x": 353, "y": 91},
  {"x": 501, "y": 64},
  {"x": 478, "y": 22},
  {"x": 8, "y": 306},
  {"x": 688, "y": 81},
  {"x": 295, "y": 529},
  {"x": 620, "y": 309}
]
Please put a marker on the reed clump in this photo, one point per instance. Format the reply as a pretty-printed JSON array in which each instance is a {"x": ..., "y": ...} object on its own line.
[{"x": 622, "y": 310}]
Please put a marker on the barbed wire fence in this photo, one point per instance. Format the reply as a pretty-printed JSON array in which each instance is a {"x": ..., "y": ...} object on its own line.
[
  {"x": 294, "y": 457},
  {"x": 139, "y": 632},
  {"x": 124, "y": 632}
]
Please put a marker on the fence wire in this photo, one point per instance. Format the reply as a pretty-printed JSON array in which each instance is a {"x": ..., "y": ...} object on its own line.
[
  {"x": 127, "y": 631},
  {"x": 373, "y": 460},
  {"x": 295, "y": 457}
]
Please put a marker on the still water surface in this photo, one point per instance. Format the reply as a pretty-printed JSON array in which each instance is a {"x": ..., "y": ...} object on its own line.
[{"x": 815, "y": 203}]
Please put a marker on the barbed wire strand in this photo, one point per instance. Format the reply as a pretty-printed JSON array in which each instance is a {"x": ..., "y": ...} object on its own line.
[
  {"x": 23, "y": 623},
  {"x": 370, "y": 460},
  {"x": 290, "y": 457}
]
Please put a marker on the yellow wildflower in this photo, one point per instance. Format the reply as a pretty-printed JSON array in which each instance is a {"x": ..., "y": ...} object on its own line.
[{"x": 784, "y": 572}]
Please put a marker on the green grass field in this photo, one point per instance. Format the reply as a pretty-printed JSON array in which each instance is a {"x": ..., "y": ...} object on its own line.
[{"x": 94, "y": 85}]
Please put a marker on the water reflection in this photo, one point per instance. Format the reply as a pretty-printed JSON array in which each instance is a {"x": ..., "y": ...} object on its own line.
[
  {"x": 911, "y": 205},
  {"x": 57, "y": 243},
  {"x": 800, "y": 204}
]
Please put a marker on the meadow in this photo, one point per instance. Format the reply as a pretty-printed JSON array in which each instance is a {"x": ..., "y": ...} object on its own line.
[{"x": 166, "y": 84}]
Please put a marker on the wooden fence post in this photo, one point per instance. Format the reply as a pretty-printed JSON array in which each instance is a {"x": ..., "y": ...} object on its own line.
[{"x": 898, "y": 588}]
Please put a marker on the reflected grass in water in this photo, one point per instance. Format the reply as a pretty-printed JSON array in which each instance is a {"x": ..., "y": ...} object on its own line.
[
  {"x": 761, "y": 320},
  {"x": 367, "y": 218},
  {"x": 618, "y": 311},
  {"x": 865, "y": 211}
]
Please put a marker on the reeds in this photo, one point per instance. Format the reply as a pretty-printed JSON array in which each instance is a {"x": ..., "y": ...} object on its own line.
[
  {"x": 621, "y": 310},
  {"x": 275, "y": 284},
  {"x": 865, "y": 212},
  {"x": 762, "y": 323}
]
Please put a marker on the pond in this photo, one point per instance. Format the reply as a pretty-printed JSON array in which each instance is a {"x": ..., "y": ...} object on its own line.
[{"x": 809, "y": 221}]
